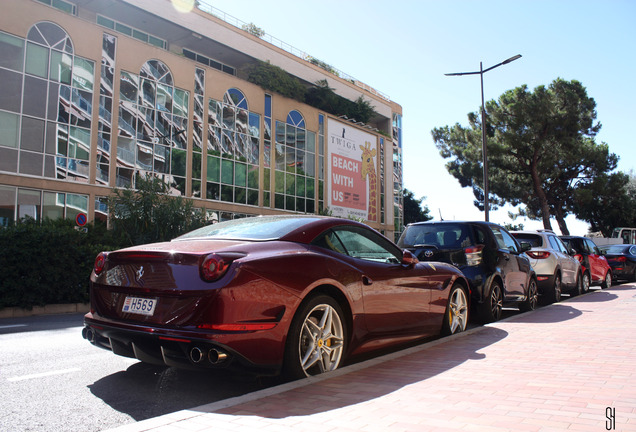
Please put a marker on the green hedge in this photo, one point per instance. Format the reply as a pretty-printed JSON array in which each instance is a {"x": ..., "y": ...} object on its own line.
[{"x": 49, "y": 263}]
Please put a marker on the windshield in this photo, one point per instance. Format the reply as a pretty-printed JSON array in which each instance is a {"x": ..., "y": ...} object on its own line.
[{"x": 253, "y": 228}]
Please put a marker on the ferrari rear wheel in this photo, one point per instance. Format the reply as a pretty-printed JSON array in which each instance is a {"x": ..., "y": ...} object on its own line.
[{"x": 316, "y": 339}]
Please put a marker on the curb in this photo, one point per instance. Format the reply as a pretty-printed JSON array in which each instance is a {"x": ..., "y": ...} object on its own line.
[{"x": 16, "y": 312}]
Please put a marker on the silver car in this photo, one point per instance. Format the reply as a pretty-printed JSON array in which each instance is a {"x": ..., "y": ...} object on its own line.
[{"x": 556, "y": 269}]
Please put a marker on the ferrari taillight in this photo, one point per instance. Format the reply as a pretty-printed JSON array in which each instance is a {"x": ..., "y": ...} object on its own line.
[
  {"x": 579, "y": 257},
  {"x": 100, "y": 263},
  {"x": 212, "y": 267}
]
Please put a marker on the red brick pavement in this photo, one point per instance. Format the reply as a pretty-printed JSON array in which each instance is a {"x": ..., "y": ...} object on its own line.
[{"x": 566, "y": 367}]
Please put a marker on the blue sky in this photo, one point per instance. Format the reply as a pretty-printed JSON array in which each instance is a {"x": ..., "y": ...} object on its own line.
[{"x": 404, "y": 47}]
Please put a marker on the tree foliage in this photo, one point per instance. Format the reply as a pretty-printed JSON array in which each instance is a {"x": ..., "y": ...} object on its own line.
[
  {"x": 607, "y": 202},
  {"x": 319, "y": 95},
  {"x": 148, "y": 214},
  {"x": 414, "y": 209},
  {"x": 541, "y": 148}
]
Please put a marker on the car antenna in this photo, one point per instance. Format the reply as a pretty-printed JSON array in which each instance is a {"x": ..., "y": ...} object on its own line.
[{"x": 440, "y": 214}]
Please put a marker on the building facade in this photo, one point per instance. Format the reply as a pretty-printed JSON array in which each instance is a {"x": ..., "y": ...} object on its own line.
[{"x": 95, "y": 94}]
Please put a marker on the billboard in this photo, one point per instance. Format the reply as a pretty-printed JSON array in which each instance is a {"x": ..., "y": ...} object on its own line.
[{"x": 351, "y": 170}]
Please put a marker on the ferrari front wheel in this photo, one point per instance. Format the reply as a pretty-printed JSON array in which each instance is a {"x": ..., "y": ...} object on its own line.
[{"x": 317, "y": 338}]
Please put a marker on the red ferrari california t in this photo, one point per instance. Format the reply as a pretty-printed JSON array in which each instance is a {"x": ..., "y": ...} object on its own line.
[{"x": 297, "y": 294}]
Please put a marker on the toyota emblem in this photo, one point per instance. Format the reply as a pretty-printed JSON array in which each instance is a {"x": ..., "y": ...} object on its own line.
[{"x": 428, "y": 253}]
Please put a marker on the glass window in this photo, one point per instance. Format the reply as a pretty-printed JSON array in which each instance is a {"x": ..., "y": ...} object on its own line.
[
  {"x": 37, "y": 60},
  {"x": 35, "y": 93},
  {"x": 9, "y": 129},
  {"x": 61, "y": 67},
  {"x": 53, "y": 205},
  {"x": 592, "y": 247},
  {"x": 76, "y": 204},
  {"x": 11, "y": 52},
  {"x": 504, "y": 240},
  {"x": 360, "y": 243},
  {"x": 11, "y": 94},
  {"x": 7, "y": 205},
  {"x": 83, "y": 74},
  {"x": 28, "y": 204},
  {"x": 32, "y": 137}
]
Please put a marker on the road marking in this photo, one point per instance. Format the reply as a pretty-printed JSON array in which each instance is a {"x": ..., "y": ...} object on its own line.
[
  {"x": 42, "y": 375},
  {"x": 13, "y": 325}
]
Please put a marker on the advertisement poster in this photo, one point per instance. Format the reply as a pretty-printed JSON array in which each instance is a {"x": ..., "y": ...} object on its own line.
[{"x": 351, "y": 169}]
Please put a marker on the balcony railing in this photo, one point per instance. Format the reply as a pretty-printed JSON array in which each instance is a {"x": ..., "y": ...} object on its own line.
[{"x": 206, "y": 7}]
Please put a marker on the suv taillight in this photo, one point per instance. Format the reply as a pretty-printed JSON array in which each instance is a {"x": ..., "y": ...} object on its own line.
[
  {"x": 538, "y": 254},
  {"x": 473, "y": 255}
]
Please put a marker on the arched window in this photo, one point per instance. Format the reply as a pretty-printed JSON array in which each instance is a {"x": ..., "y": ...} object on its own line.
[
  {"x": 295, "y": 176},
  {"x": 295, "y": 118},
  {"x": 236, "y": 98},
  {"x": 55, "y": 133}
]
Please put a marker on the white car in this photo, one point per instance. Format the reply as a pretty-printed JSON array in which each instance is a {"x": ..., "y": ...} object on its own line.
[{"x": 556, "y": 269}]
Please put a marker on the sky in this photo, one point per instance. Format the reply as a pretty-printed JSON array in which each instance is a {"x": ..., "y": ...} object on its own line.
[{"x": 403, "y": 48}]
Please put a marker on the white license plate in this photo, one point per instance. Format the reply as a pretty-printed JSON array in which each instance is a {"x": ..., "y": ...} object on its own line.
[{"x": 138, "y": 305}]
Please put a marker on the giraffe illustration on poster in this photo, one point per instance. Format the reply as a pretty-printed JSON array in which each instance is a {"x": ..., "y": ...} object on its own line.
[{"x": 368, "y": 170}]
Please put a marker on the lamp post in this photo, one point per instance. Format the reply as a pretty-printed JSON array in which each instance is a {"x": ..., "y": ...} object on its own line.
[{"x": 481, "y": 73}]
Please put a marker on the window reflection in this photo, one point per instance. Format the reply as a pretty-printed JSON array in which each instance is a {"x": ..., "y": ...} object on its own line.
[{"x": 152, "y": 129}]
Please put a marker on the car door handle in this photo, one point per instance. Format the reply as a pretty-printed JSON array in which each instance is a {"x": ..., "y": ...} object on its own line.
[{"x": 366, "y": 280}]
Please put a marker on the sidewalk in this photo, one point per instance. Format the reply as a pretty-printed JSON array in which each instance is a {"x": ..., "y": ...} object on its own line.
[{"x": 566, "y": 367}]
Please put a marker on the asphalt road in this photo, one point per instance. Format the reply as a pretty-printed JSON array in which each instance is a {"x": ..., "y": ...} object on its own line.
[{"x": 51, "y": 379}]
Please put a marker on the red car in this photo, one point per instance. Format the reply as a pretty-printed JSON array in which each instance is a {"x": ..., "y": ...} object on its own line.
[
  {"x": 293, "y": 293},
  {"x": 595, "y": 268}
]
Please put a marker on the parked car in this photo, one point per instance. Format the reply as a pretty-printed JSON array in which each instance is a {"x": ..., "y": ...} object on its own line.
[
  {"x": 292, "y": 293},
  {"x": 556, "y": 269},
  {"x": 494, "y": 263},
  {"x": 596, "y": 270},
  {"x": 622, "y": 260}
]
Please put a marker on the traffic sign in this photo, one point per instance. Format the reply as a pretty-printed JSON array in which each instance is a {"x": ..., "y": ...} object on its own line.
[{"x": 81, "y": 219}]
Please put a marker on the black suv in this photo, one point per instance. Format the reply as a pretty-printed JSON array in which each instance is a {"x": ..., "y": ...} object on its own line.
[{"x": 492, "y": 260}]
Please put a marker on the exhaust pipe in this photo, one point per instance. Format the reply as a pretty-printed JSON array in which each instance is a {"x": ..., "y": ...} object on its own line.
[
  {"x": 196, "y": 355},
  {"x": 215, "y": 356},
  {"x": 88, "y": 334}
]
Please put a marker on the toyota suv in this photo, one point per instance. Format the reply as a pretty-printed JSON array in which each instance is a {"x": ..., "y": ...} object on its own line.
[{"x": 495, "y": 264}]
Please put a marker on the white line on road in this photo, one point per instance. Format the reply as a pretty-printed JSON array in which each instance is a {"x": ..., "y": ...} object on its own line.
[
  {"x": 13, "y": 325},
  {"x": 42, "y": 375}
]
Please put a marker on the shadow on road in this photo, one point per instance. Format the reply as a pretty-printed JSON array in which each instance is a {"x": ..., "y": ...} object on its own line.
[{"x": 144, "y": 391}]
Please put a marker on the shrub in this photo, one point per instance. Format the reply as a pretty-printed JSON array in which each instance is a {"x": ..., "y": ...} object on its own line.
[{"x": 49, "y": 262}]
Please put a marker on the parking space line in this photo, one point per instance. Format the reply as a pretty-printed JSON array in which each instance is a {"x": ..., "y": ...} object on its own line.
[{"x": 43, "y": 374}]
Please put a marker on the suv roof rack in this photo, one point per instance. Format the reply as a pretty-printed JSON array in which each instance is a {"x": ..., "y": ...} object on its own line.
[{"x": 546, "y": 230}]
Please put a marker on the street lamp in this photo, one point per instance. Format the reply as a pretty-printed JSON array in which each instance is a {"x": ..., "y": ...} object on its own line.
[{"x": 481, "y": 72}]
